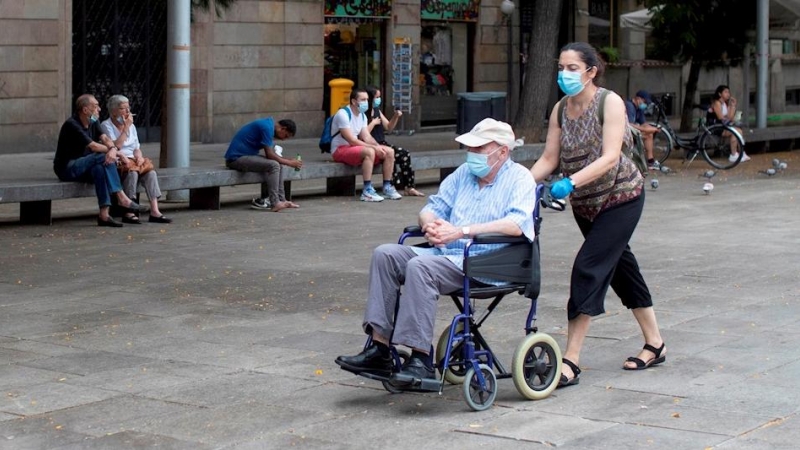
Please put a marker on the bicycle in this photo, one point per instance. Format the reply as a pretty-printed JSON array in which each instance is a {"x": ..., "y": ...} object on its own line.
[{"x": 707, "y": 141}]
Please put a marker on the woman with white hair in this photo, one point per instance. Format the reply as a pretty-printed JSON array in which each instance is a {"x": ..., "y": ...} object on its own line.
[{"x": 120, "y": 128}]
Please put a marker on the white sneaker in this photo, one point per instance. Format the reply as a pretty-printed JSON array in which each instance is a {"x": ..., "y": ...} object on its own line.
[
  {"x": 369, "y": 195},
  {"x": 260, "y": 203},
  {"x": 734, "y": 157},
  {"x": 745, "y": 157},
  {"x": 391, "y": 193}
]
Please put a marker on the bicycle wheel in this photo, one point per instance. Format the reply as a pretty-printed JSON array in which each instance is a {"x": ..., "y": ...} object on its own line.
[
  {"x": 716, "y": 148},
  {"x": 662, "y": 144}
]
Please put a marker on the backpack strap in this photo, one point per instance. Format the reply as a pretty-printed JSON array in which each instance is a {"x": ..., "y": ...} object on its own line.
[
  {"x": 349, "y": 117},
  {"x": 563, "y": 103}
]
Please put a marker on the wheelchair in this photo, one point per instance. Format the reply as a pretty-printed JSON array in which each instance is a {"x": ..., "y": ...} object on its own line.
[{"x": 462, "y": 354}]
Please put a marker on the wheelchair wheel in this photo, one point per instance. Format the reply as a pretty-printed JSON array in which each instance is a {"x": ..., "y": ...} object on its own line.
[
  {"x": 403, "y": 355},
  {"x": 536, "y": 366},
  {"x": 456, "y": 372},
  {"x": 477, "y": 398}
]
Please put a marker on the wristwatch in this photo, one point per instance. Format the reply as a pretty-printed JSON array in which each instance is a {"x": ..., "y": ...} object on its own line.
[{"x": 465, "y": 231}]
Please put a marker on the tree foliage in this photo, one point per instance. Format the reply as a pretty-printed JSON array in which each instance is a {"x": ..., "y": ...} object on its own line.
[
  {"x": 704, "y": 33},
  {"x": 540, "y": 70}
]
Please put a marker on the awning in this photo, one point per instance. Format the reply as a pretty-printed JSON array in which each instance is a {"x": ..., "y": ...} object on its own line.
[
  {"x": 783, "y": 14},
  {"x": 636, "y": 21}
]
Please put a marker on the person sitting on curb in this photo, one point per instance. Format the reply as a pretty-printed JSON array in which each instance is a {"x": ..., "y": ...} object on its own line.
[
  {"x": 243, "y": 155},
  {"x": 635, "y": 109},
  {"x": 84, "y": 153},
  {"x": 403, "y": 177},
  {"x": 352, "y": 144},
  {"x": 489, "y": 193}
]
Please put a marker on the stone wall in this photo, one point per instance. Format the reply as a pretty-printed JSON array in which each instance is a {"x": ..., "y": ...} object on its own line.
[
  {"x": 33, "y": 94},
  {"x": 262, "y": 58}
]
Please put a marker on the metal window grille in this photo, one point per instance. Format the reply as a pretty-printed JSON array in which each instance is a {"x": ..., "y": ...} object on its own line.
[{"x": 119, "y": 47}]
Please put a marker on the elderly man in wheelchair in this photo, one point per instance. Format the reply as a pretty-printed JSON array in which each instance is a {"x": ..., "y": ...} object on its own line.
[{"x": 489, "y": 193}]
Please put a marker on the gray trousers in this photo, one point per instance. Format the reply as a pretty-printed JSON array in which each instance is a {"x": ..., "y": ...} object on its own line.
[
  {"x": 131, "y": 180},
  {"x": 423, "y": 278},
  {"x": 258, "y": 163}
]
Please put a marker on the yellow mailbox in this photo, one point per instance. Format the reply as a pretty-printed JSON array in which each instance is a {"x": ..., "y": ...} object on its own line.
[{"x": 340, "y": 93}]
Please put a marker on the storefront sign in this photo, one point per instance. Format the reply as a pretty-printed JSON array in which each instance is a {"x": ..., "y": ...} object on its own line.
[
  {"x": 462, "y": 10},
  {"x": 358, "y": 8}
]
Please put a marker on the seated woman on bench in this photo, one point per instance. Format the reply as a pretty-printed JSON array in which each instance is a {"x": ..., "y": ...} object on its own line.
[{"x": 133, "y": 172}]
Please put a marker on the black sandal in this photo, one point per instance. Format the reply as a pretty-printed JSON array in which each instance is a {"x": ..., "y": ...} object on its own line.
[
  {"x": 641, "y": 365},
  {"x": 576, "y": 373}
]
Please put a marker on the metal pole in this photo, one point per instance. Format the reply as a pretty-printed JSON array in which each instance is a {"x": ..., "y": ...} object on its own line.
[
  {"x": 178, "y": 84},
  {"x": 510, "y": 67},
  {"x": 762, "y": 62}
]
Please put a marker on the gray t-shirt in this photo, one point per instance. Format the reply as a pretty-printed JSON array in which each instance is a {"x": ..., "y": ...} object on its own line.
[{"x": 355, "y": 122}]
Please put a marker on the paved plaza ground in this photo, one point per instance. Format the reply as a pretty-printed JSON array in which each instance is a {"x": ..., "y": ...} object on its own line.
[{"x": 221, "y": 329}]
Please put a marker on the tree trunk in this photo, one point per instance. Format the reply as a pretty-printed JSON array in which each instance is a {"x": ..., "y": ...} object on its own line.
[
  {"x": 687, "y": 112},
  {"x": 540, "y": 71}
]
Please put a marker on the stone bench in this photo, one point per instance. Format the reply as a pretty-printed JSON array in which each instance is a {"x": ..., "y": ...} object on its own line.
[{"x": 35, "y": 196}]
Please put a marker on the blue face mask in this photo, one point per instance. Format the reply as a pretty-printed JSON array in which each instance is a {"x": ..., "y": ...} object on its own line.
[
  {"x": 363, "y": 106},
  {"x": 643, "y": 106},
  {"x": 92, "y": 118},
  {"x": 479, "y": 164},
  {"x": 376, "y": 103},
  {"x": 570, "y": 82}
]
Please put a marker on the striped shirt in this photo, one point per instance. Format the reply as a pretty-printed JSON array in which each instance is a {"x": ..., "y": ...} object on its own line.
[{"x": 462, "y": 202}]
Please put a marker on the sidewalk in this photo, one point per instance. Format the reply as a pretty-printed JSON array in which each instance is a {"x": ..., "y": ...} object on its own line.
[{"x": 220, "y": 330}]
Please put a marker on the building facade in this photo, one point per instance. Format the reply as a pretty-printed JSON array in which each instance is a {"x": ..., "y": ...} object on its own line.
[
  {"x": 260, "y": 58},
  {"x": 276, "y": 58}
]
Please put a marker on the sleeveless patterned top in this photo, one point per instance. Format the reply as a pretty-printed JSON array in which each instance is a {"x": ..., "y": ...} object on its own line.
[{"x": 582, "y": 144}]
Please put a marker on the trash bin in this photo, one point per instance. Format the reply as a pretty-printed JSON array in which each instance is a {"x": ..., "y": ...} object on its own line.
[
  {"x": 340, "y": 93},
  {"x": 476, "y": 106}
]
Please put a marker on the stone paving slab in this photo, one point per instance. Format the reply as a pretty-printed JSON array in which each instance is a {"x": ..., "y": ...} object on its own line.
[{"x": 220, "y": 331}]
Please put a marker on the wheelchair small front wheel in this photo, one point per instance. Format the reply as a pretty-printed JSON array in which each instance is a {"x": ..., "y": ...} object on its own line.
[
  {"x": 536, "y": 366},
  {"x": 456, "y": 369},
  {"x": 403, "y": 355},
  {"x": 480, "y": 398}
]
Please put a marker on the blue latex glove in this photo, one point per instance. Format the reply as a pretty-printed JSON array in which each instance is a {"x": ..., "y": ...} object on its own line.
[{"x": 562, "y": 188}]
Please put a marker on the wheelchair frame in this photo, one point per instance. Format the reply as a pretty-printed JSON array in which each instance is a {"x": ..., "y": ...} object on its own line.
[{"x": 468, "y": 359}]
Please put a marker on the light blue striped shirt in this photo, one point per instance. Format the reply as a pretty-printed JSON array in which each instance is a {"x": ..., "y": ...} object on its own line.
[{"x": 462, "y": 202}]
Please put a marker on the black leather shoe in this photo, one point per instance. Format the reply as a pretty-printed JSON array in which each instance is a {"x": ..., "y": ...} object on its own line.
[
  {"x": 160, "y": 219},
  {"x": 369, "y": 360},
  {"x": 108, "y": 223},
  {"x": 412, "y": 374},
  {"x": 131, "y": 220}
]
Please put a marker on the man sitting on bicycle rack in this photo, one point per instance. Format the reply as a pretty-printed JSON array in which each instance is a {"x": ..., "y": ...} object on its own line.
[
  {"x": 489, "y": 193},
  {"x": 635, "y": 108}
]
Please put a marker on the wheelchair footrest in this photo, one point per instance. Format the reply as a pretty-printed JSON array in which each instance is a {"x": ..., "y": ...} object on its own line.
[{"x": 409, "y": 383}]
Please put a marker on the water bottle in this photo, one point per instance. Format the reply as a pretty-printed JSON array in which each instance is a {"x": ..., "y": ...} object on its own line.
[{"x": 299, "y": 158}]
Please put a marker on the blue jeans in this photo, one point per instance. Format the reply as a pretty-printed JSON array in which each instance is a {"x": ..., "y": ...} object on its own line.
[{"x": 93, "y": 169}]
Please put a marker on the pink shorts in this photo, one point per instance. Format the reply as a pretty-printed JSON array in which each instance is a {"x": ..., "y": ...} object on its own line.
[{"x": 350, "y": 155}]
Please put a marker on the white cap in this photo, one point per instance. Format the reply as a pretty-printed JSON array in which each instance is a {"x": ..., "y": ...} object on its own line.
[{"x": 490, "y": 130}]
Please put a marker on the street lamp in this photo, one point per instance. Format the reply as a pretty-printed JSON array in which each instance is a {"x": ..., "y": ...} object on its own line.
[{"x": 507, "y": 8}]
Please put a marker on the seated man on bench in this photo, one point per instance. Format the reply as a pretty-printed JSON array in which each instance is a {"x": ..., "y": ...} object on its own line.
[
  {"x": 84, "y": 153},
  {"x": 490, "y": 193},
  {"x": 243, "y": 155}
]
